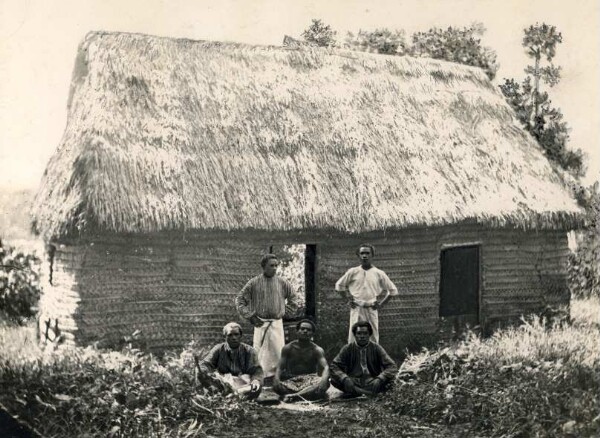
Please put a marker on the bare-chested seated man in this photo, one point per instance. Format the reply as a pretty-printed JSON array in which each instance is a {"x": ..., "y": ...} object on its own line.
[
  {"x": 302, "y": 372},
  {"x": 231, "y": 366}
]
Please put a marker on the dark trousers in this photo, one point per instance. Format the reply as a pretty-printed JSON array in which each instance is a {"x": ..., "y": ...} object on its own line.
[{"x": 363, "y": 385}]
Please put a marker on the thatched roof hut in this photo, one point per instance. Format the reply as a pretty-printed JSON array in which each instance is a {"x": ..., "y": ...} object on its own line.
[{"x": 175, "y": 137}]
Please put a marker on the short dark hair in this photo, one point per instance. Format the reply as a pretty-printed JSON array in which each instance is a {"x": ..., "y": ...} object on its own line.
[
  {"x": 358, "y": 324},
  {"x": 265, "y": 259},
  {"x": 308, "y": 321},
  {"x": 366, "y": 245}
]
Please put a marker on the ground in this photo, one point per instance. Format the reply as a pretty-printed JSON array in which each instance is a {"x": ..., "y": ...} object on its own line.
[
  {"x": 337, "y": 418},
  {"x": 350, "y": 420}
]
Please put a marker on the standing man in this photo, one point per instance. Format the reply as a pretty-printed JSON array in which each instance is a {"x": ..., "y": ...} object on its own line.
[
  {"x": 262, "y": 301},
  {"x": 361, "y": 287}
]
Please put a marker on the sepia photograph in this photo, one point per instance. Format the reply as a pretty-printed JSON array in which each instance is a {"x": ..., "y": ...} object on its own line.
[{"x": 289, "y": 218}]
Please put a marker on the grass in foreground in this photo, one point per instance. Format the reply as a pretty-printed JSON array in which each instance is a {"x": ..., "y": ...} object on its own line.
[
  {"x": 532, "y": 380},
  {"x": 86, "y": 392}
]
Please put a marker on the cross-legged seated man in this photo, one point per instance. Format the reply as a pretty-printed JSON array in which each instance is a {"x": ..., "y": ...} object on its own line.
[
  {"x": 231, "y": 366},
  {"x": 362, "y": 367},
  {"x": 302, "y": 372}
]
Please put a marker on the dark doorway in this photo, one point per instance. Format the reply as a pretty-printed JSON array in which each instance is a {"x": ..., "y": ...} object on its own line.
[
  {"x": 310, "y": 281},
  {"x": 459, "y": 287},
  {"x": 298, "y": 265}
]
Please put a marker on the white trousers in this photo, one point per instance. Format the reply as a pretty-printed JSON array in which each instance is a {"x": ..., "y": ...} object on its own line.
[
  {"x": 268, "y": 340},
  {"x": 364, "y": 314}
]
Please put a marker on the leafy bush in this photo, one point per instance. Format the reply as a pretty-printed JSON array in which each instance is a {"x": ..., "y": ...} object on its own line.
[
  {"x": 454, "y": 44},
  {"x": 319, "y": 34},
  {"x": 460, "y": 45},
  {"x": 584, "y": 266},
  {"x": 19, "y": 283},
  {"x": 89, "y": 392},
  {"x": 291, "y": 267},
  {"x": 584, "y": 263},
  {"x": 382, "y": 41},
  {"x": 523, "y": 381}
]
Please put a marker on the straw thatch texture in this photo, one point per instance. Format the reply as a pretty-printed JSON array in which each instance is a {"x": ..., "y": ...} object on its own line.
[{"x": 177, "y": 134}]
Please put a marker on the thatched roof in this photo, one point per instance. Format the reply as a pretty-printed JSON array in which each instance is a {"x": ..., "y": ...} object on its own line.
[{"x": 178, "y": 134}]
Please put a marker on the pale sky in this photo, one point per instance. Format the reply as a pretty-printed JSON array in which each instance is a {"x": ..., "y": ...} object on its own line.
[{"x": 39, "y": 39}]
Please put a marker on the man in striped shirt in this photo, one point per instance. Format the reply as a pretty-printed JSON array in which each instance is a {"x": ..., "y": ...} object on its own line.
[
  {"x": 263, "y": 302},
  {"x": 231, "y": 365}
]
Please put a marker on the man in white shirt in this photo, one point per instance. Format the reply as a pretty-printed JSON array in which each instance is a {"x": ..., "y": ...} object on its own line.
[{"x": 362, "y": 287}]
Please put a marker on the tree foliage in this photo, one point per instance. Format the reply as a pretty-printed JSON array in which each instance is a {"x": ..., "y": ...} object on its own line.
[
  {"x": 584, "y": 263},
  {"x": 320, "y": 34},
  {"x": 383, "y": 41},
  {"x": 533, "y": 105},
  {"x": 19, "y": 283},
  {"x": 291, "y": 268},
  {"x": 461, "y": 45}
]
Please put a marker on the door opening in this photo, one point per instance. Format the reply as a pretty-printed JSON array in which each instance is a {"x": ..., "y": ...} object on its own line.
[
  {"x": 310, "y": 281},
  {"x": 298, "y": 265},
  {"x": 459, "y": 286}
]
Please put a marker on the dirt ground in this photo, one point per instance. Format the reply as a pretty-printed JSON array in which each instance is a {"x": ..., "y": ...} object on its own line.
[{"x": 350, "y": 418}]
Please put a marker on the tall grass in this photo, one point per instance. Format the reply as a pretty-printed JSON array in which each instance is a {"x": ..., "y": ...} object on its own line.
[
  {"x": 18, "y": 343},
  {"x": 576, "y": 343},
  {"x": 75, "y": 391},
  {"x": 537, "y": 379},
  {"x": 586, "y": 311}
]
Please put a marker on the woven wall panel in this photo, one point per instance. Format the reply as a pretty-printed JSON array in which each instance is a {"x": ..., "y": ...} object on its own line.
[
  {"x": 174, "y": 288},
  {"x": 408, "y": 266},
  {"x": 506, "y": 270}
]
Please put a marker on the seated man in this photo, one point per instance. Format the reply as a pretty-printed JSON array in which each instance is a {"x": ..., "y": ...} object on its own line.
[
  {"x": 302, "y": 372},
  {"x": 231, "y": 366},
  {"x": 362, "y": 367}
]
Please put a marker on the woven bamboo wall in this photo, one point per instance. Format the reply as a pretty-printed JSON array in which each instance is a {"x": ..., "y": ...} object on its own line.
[
  {"x": 521, "y": 272},
  {"x": 174, "y": 288}
]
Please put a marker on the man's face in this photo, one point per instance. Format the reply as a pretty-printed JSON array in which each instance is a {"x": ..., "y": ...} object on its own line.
[
  {"x": 271, "y": 267},
  {"x": 305, "y": 331},
  {"x": 362, "y": 336},
  {"x": 234, "y": 338},
  {"x": 365, "y": 255}
]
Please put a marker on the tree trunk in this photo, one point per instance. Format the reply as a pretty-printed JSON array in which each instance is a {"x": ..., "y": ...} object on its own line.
[{"x": 536, "y": 89}]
